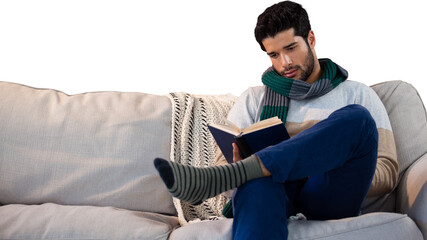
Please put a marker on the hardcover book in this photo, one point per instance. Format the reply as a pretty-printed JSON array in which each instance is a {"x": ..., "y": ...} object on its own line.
[{"x": 250, "y": 140}]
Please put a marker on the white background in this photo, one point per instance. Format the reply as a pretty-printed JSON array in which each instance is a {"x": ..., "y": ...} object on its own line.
[{"x": 197, "y": 46}]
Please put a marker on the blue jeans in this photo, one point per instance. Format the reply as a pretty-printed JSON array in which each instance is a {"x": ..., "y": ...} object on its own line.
[{"x": 324, "y": 173}]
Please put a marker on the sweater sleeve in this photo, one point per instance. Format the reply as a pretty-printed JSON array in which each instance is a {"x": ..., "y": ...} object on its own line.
[
  {"x": 386, "y": 172},
  {"x": 244, "y": 111}
]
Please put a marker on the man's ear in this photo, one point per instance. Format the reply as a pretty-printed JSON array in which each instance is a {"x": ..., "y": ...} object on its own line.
[{"x": 311, "y": 39}]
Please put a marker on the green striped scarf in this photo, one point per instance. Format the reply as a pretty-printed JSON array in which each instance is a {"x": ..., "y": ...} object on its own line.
[{"x": 279, "y": 90}]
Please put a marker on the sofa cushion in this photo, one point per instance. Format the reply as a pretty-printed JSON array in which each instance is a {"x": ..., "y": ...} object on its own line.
[
  {"x": 85, "y": 149},
  {"x": 370, "y": 226},
  {"x": 51, "y": 221}
]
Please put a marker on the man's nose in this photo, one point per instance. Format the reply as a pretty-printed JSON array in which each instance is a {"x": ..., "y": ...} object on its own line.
[{"x": 286, "y": 60}]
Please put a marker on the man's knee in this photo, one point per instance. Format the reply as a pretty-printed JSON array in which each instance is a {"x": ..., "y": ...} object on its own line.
[
  {"x": 355, "y": 112},
  {"x": 357, "y": 116}
]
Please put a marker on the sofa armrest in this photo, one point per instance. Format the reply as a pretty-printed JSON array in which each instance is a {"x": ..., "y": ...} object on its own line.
[{"x": 412, "y": 194}]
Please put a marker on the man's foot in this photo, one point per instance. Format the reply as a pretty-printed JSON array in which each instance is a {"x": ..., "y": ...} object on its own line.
[{"x": 195, "y": 185}]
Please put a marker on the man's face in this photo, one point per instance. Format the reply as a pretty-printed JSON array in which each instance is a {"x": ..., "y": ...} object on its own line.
[{"x": 291, "y": 55}]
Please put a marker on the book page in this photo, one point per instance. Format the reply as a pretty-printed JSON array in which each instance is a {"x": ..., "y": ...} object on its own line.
[
  {"x": 262, "y": 124},
  {"x": 227, "y": 127}
]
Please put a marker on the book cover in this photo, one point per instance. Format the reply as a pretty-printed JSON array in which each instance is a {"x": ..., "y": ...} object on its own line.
[{"x": 250, "y": 140}]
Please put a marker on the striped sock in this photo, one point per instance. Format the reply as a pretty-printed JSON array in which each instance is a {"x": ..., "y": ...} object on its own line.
[{"x": 194, "y": 185}]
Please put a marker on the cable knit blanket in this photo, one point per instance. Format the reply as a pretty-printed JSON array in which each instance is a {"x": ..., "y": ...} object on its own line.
[{"x": 193, "y": 144}]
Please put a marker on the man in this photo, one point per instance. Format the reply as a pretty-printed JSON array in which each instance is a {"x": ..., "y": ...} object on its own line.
[{"x": 341, "y": 143}]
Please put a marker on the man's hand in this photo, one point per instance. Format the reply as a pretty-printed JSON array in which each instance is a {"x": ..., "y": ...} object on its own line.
[
  {"x": 237, "y": 157},
  {"x": 236, "y": 153}
]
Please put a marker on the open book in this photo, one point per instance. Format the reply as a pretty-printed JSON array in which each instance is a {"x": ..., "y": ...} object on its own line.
[{"x": 250, "y": 140}]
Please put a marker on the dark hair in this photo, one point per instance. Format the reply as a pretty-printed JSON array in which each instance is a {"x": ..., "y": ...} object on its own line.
[{"x": 279, "y": 17}]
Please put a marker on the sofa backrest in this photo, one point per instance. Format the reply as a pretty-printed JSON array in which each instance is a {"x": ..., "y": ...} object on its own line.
[
  {"x": 409, "y": 123},
  {"x": 97, "y": 148},
  {"x": 86, "y": 149},
  {"x": 408, "y": 120}
]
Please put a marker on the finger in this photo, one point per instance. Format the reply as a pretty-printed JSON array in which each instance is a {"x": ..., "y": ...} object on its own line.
[{"x": 236, "y": 153}]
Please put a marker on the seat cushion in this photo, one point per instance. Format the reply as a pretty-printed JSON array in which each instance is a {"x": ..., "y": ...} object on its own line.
[
  {"x": 52, "y": 221},
  {"x": 85, "y": 149},
  {"x": 370, "y": 226}
]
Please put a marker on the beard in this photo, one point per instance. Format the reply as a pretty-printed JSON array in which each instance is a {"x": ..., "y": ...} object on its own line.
[{"x": 306, "y": 69}]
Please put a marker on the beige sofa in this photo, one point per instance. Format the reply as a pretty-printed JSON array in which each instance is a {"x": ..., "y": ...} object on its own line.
[{"x": 81, "y": 167}]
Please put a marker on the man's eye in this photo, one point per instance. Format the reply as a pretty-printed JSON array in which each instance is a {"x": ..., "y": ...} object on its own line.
[{"x": 273, "y": 55}]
